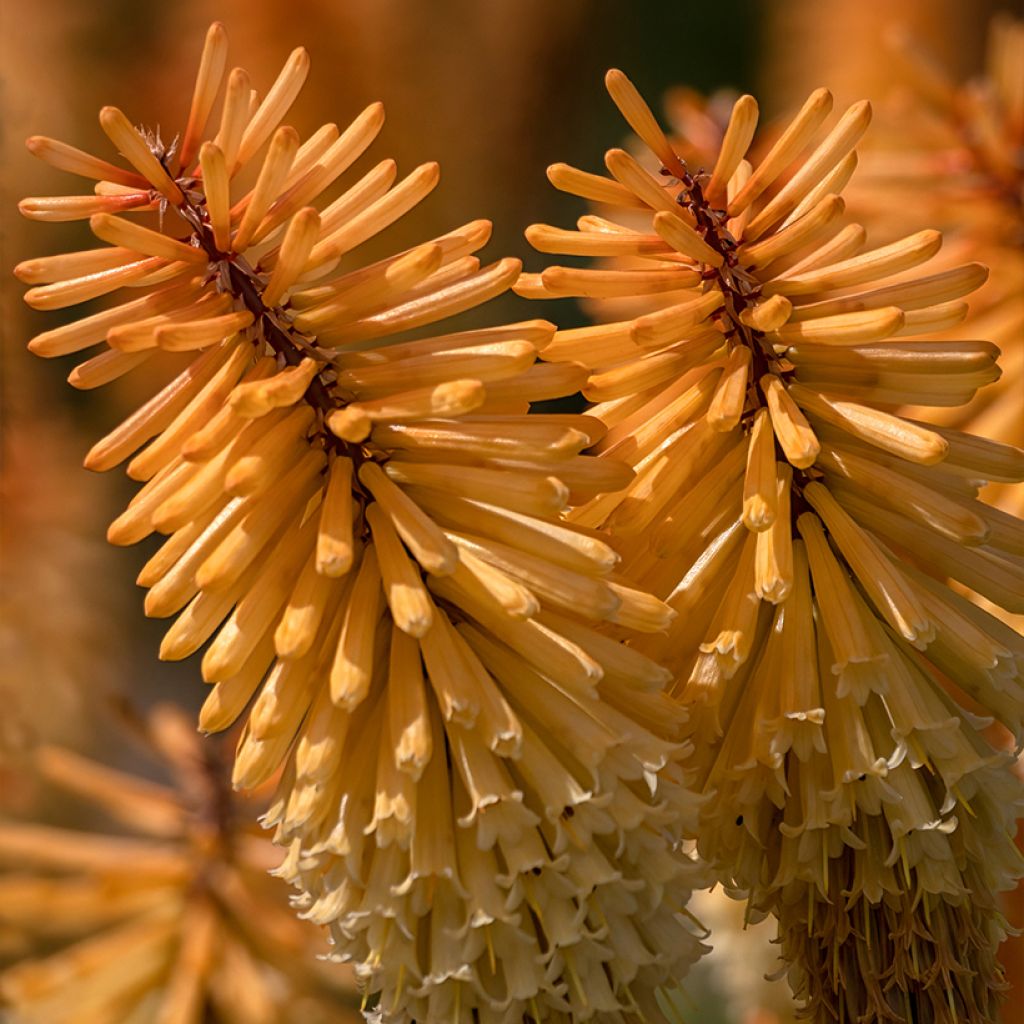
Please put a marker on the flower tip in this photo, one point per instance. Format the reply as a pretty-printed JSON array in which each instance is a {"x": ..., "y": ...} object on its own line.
[{"x": 614, "y": 77}]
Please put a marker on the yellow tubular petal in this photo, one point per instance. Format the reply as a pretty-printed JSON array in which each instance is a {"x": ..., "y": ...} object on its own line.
[
  {"x": 304, "y": 611},
  {"x": 773, "y": 553},
  {"x": 299, "y": 237},
  {"x": 590, "y": 597},
  {"x": 338, "y": 158},
  {"x": 674, "y": 468},
  {"x": 933, "y": 318},
  {"x": 408, "y": 716},
  {"x": 704, "y": 506},
  {"x": 835, "y": 146},
  {"x": 980, "y": 456},
  {"x": 421, "y": 534},
  {"x": 545, "y": 238},
  {"x": 48, "y": 269},
  {"x": 673, "y": 322},
  {"x": 136, "y": 521},
  {"x": 64, "y": 208},
  {"x": 176, "y": 586},
  {"x": 844, "y": 328},
  {"x": 352, "y": 667},
  {"x": 787, "y": 147},
  {"x": 883, "y": 430},
  {"x": 917, "y": 293},
  {"x": 276, "y": 164},
  {"x": 377, "y": 216},
  {"x": 848, "y": 241},
  {"x": 255, "y": 614},
  {"x": 488, "y": 585},
  {"x": 649, "y": 190},
  {"x": 551, "y": 541},
  {"x": 407, "y": 597},
  {"x": 233, "y": 119},
  {"x": 193, "y": 334},
  {"x": 153, "y": 417},
  {"x": 738, "y": 135},
  {"x": 208, "y": 401},
  {"x": 592, "y": 187},
  {"x": 531, "y": 494},
  {"x": 760, "y": 488},
  {"x": 768, "y": 314},
  {"x": 136, "y": 151},
  {"x": 794, "y": 433},
  {"x": 645, "y": 373},
  {"x": 832, "y": 184},
  {"x": 216, "y": 186},
  {"x": 80, "y": 289},
  {"x": 803, "y": 231},
  {"x": 353, "y": 201},
  {"x": 487, "y": 363},
  {"x": 275, "y": 105},
  {"x": 454, "y": 398},
  {"x": 553, "y": 655},
  {"x": 225, "y": 423},
  {"x": 645, "y": 428},
  {"x": 374, "y": 292},
  {"x": 641, "y": 120},
  {"x": 685, "y": 239},
  {"x": 236, "y": 552},
  {"x": 639, "y": 610},
  {"x": 538, "y": 383},
  {"x": 257, "y": 469},
  {"x": 208, "y": 78},
  {"x": 869, "y": 266},
  {"x": 889, "y": 591},
  {"x": 731, "y": 394},
  {"x": 118, "y": 231},
  {"x": 104, "y": 368},
  {"x": 74, "y": 161},
  {"x": 141, "y": 334},
  {"x": 605, "y": 284},
  {"x": 334, "y": 550},
  {"x": 926, "y": 506},
  {"x": 256, "y": 398},
  {"x": 450, "y": 439},
  {"x": 434, "y": 306}
]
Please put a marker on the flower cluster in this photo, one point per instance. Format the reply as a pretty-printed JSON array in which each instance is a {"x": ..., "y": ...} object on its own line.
[
  {"x": 803, "y": 531},
  {"x": 175, "y": 921},
  {"x": 480, "y": 787}
]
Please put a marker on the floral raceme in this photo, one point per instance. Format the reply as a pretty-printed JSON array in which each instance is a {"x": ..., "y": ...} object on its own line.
[
  {"x": 176, "y": 922},
  {"x": 479, "y": 787},
  {"x": 804, "y": 533}
]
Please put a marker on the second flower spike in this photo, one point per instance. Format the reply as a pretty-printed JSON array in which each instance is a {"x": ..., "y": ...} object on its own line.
[{"x": 804, "y": 531}]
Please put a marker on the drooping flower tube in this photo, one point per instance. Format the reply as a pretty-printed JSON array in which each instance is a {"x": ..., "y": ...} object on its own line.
[
  {"x": 804, "y": 532},
  {"x": 480, "y": 785}
]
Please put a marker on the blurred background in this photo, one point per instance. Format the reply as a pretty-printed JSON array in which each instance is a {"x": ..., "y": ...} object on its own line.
[{"x": 495, "y": 91}]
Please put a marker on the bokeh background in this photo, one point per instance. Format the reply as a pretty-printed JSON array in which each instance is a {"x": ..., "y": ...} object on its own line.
[{"x": 495, "y": 90}]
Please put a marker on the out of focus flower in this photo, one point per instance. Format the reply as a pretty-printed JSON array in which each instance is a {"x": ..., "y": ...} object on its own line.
[
  {"x": 953, "y": 154},
  {"x": 803, "y": 533},
  {"x": 174, "y": 921},
  {"x": 481, "y": 790}
]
